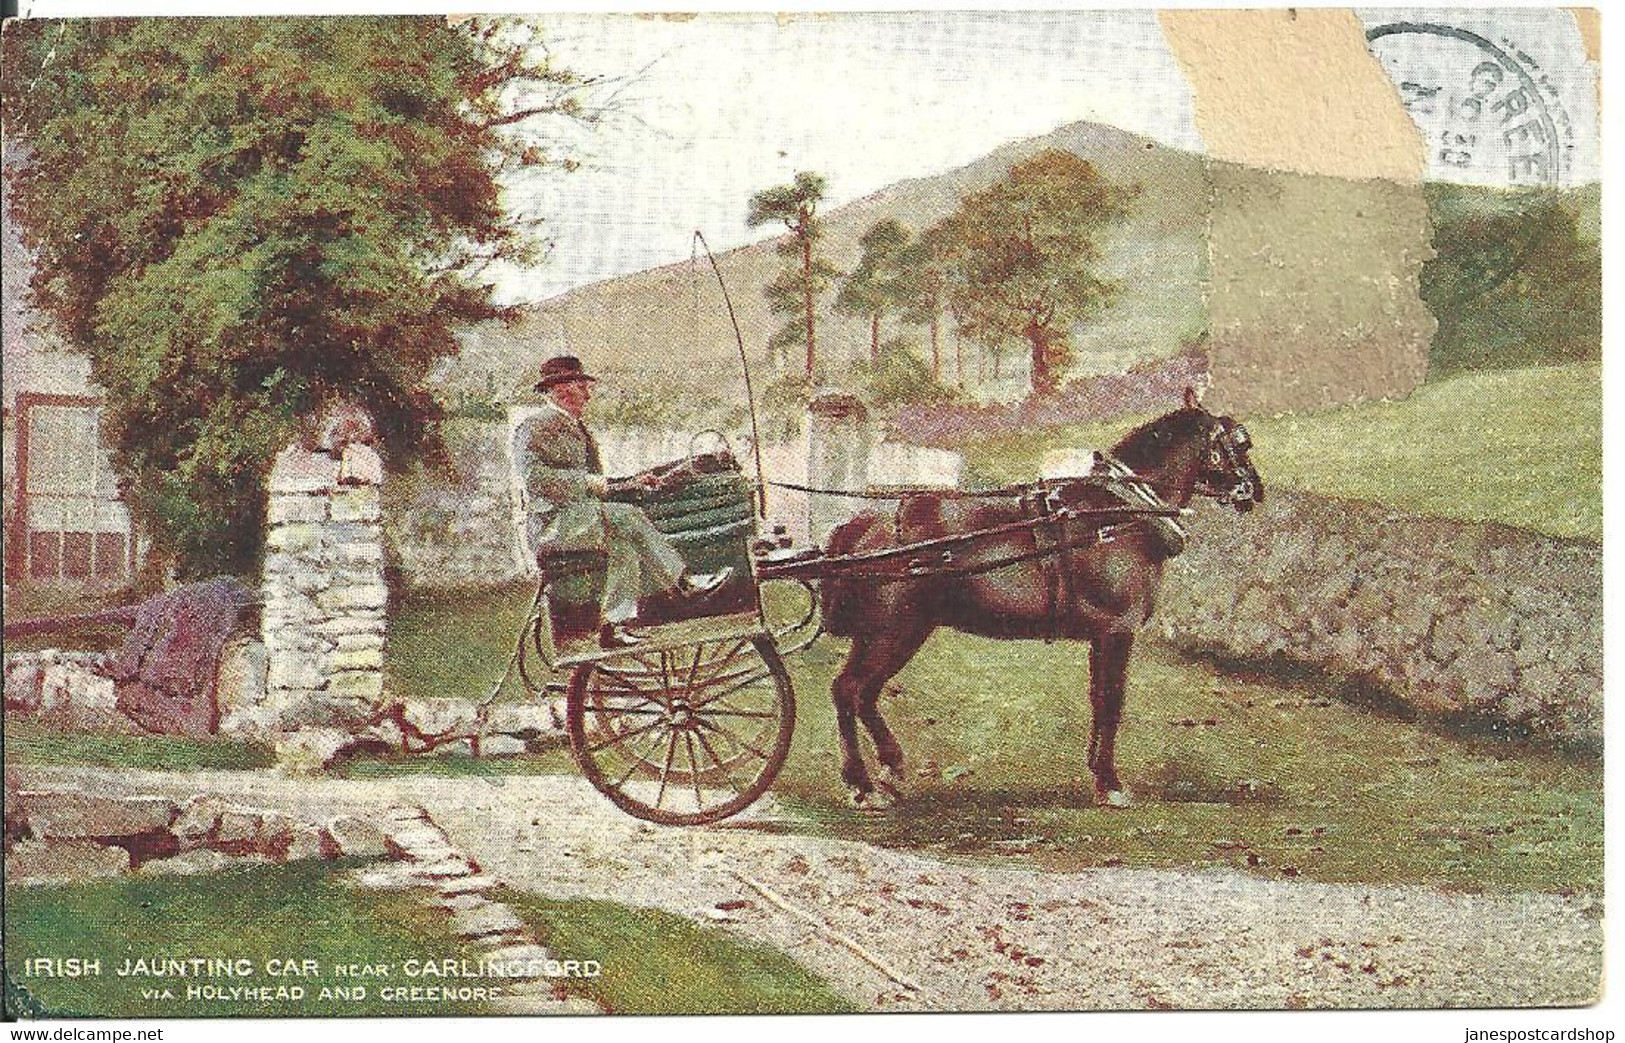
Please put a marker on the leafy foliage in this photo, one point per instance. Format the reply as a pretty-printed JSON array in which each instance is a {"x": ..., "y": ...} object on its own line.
[
  {"x": 784, "y": 405},
  {"x": 877, "y": 284},
  {"x": 242, "y": 221},
  {"x": 1515, "y": 280},
  {"x": 1024, "y": 254},
  {"x": 921, "y": 289},
  {"x": 807, "y": 276},
  {"x": 898, "y": 377}
]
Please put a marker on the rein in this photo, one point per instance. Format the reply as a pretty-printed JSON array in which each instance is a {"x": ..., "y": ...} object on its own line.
[
  {"x": 1004, "y": 493},
  {"x": 858, "y": 564}
]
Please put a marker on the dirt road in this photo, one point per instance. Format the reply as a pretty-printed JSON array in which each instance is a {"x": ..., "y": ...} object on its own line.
[{"x": 895, "y": 930}]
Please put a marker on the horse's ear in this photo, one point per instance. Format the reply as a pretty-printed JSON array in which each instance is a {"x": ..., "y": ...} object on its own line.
[{"x": 1191, "y": 401}]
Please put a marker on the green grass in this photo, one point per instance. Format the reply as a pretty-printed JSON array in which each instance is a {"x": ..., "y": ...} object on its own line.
[
  {"x": 458, "y": 654},
  {"x": 657, "y": 963},
  {"x": 1521, "y": 447},
  {"x": 1275, "y": 777},
  {"x": 33, "y": 742},
  {"x": 1287, "y": 775},
  {"x": 301, "y": 910}
]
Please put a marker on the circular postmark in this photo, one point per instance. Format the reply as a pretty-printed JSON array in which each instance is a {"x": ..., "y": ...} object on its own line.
[{"x": 1488, "y": 112}]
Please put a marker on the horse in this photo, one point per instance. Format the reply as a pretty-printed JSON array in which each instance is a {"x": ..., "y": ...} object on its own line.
[{"x": 1079, "y": 583}]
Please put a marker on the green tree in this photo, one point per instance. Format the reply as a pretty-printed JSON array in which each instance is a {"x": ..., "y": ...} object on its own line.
[
  {"x": 898, "y": 377},
  {"x": 876, "y": 285},
  {"x": 242, "y": 220},
  {"x": 926, "y": 267},
  {"x": 795, "y": 292},
  {"x": 1027, "y": 253},
  {"x": 1515, "y": 280}
]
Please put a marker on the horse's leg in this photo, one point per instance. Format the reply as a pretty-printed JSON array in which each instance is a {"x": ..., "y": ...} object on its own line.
[
  {"x": 846, "y": 690},
  {"x": 874, "y": 658},
  {"x": 896, "y": 651},
  {"x": 1108, "y": 674}
]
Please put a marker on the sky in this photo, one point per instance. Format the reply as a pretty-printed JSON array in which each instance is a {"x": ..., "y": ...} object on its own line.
[
  {"x": 725, "y": 105},
  {"x": 722, "y": 105},
  {"x": 708, "y": 110}
]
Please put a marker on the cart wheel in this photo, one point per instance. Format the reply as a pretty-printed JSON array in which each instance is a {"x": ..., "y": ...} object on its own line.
[{"x": 685, "y": 736}]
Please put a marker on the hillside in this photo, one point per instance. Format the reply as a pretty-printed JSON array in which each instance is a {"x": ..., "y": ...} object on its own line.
[{"x": 668, "y": 325}]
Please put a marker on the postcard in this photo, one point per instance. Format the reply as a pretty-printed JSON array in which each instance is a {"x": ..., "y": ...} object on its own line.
[{"x": 803, "y": 513}]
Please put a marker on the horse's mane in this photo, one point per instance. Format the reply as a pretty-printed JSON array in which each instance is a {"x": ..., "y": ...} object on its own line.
[{"x": 1146, "y": 448}]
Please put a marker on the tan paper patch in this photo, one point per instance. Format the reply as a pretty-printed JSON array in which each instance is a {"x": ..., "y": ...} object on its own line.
[{"x": 1293, "y": 90}]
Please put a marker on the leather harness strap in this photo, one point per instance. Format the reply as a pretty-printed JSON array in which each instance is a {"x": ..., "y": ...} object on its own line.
[{"x": 1046, "y": 545}]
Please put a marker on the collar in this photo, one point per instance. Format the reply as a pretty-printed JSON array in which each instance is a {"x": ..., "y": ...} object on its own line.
[{"x": 555, "y": 407}]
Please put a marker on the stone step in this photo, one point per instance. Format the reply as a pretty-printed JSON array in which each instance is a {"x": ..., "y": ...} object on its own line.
[
  {"x": 468, "y": 884},
  {"x": 491, "y": 918}
]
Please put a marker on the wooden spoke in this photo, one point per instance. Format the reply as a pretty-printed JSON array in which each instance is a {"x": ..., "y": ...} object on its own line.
[
  {"x": 615, "y": 740},
  {"x": 742, "y": 743},
  {"x": 712, "y": 697},
  {"x": 705, "y": 744},
  {"x": 710, "y": 721},
  {"x": 640, "y": 760},
  {"x": 694, "y": 769},
  {"x": 665, "y": 772}
]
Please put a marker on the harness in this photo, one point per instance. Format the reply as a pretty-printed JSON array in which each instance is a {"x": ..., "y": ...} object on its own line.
[
  {"x": 1122, "y": 482},
  {"x": 1053, "y": 524}
]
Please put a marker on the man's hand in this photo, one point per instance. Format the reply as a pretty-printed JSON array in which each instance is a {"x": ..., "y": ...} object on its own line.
[{"x": 648, "y": 481}]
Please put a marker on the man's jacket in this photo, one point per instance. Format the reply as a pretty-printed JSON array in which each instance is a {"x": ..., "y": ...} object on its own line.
[{"x": 558, "y": 460}]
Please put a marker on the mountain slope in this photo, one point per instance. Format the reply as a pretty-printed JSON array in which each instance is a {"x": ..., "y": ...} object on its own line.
[{"x": 667, "y": 327}]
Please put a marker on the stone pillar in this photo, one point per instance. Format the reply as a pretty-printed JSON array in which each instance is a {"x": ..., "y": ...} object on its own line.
[
  {"x": 839, "y": 443},
  {"x": 323, "y": 622}
]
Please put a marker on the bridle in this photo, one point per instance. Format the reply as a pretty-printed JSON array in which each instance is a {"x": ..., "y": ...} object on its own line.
[{"x": 1226, "y": 478}]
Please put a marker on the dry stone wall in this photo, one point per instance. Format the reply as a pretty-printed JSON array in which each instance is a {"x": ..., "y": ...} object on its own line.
[
  {"x": 1458, "y": 620},
  {"x": 323, "y": 622}
]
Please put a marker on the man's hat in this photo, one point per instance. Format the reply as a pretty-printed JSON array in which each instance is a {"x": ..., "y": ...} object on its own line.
[{"x": 560, "y": 369}]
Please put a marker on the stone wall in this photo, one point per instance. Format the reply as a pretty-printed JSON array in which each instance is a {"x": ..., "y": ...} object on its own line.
[
  {"x": 67, "y": 690},
  {"x": 71, "y": 691},
  {"x": 57, "y": 833},
  {"x": 1473, "y": 622},
  {"x": 323, "y": 622}
]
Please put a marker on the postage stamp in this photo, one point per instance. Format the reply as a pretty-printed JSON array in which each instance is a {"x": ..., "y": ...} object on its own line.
[{"x": 738, "y": 513}]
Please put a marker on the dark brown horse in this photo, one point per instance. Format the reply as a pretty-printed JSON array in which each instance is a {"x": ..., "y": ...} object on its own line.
[{"x": 1102, "y": 591}]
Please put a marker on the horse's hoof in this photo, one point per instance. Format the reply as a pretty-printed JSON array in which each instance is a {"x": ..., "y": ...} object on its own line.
[
  {"x": 892, "y": 784},
  {"x": 1116, "y": 798}
]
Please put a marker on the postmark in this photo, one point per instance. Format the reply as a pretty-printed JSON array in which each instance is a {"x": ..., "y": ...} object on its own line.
[{"x": 1488, "y": 110}]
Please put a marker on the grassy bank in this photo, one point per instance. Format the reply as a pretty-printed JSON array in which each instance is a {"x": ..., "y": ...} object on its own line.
[
  {"x": 1521, "y": 447},
  {"x": 297, "y": 911},
  {"x": 653, "y": 963},
  {"x": 658, "y": 963},
  {"x": 30, "y": 741}
]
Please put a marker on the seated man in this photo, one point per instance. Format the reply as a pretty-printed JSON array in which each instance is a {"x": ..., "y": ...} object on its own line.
[{"x": 566, "y": 510}]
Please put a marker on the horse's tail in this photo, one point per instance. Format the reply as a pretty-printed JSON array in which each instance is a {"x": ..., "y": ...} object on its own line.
[{"x": 842, "y": 602}]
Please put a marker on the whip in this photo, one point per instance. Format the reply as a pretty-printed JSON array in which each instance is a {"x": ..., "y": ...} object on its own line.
[{"x": 744, "y": 366}]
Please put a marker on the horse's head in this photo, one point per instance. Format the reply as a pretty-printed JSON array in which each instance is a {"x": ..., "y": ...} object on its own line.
[
  {"x": 1193, "y": 452},
  {"x": 1226, "y": 472}
]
